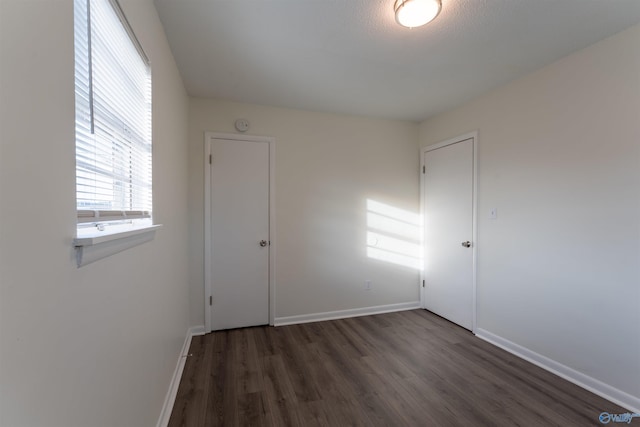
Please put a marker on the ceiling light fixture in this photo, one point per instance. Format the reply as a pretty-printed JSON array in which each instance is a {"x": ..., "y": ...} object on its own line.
[{"x": 415, "y": 13}]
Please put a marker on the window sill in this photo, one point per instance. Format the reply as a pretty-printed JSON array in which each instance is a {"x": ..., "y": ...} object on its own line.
[{"x": 96, "y": 245}]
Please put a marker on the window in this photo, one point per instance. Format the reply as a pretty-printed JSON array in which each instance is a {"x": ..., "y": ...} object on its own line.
[{"x": 113, "y": 120}]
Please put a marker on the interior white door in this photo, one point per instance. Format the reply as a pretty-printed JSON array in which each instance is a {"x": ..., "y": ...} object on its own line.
[
  {"x": 448, "y": 231},
  {"x": 239, "y": 233}
]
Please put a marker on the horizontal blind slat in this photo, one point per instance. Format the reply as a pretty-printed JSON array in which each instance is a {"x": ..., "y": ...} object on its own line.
[{"x": 113, "y": 153}]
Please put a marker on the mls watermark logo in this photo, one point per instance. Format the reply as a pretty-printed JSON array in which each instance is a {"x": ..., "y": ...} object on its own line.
[{"x": 606, "y": 418}]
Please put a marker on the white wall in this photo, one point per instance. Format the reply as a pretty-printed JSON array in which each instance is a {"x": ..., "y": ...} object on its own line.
[
  {"x": 559, "y": 156},
  {"x": 97, "y": 345},
  {"x": 327, "y": 166}
]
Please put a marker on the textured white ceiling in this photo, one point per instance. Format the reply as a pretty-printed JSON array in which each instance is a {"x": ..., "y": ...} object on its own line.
[{"x": 350, "y": 56}]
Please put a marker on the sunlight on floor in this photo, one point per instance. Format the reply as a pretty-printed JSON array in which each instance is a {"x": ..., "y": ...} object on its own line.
[{"x": 393, "y": 235}]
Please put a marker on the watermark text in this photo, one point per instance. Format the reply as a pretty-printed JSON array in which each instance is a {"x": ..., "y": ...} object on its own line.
[{"x": 627, "y": 417}]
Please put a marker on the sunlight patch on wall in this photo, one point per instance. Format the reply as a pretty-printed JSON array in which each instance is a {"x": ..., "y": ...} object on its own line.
[{"x": 393, "y": 235}]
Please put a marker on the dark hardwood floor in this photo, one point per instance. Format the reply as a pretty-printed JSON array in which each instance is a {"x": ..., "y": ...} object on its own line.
[{"x": 409, "y": 368}]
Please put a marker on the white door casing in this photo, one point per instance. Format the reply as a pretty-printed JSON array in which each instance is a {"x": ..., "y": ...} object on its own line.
[
  {"x": 239, "y": 232},
  {"x": 449, "y": 184}
]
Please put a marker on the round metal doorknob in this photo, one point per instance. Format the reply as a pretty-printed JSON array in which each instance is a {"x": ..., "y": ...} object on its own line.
[
  {"x": 466, "y": 244},
  {"x": 263, "y": 243}
]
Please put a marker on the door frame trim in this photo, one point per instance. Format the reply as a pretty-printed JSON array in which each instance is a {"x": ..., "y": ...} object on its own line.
[
  {"x": 208, "y": 273},
  {"x": 474, "y": 235}
]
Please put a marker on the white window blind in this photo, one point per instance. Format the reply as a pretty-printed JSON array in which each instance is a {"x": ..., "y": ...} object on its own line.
[{"x": 113, "y": 116}]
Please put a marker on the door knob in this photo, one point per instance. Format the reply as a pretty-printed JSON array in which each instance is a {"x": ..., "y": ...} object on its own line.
[
  {"x": 263, "y": 243},
  {"x": 466, "y": 244}
]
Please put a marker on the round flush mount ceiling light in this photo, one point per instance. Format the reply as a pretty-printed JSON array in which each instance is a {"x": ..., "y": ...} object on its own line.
[{"x": 415, "y": 13}]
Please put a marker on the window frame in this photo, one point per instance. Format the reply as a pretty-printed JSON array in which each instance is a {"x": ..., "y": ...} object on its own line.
[{"x": 103, "y": 232}]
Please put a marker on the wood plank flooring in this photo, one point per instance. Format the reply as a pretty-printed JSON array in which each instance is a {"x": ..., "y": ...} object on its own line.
[{"x": 409, "y": 368}]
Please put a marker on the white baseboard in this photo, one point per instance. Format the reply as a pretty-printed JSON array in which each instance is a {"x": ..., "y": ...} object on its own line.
[
  {"x": 343, "y": 314},
  {"x": 170, "y": 398},
  {"x": 619, "y": 397},
  {"x": 196, "y": 330}
]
